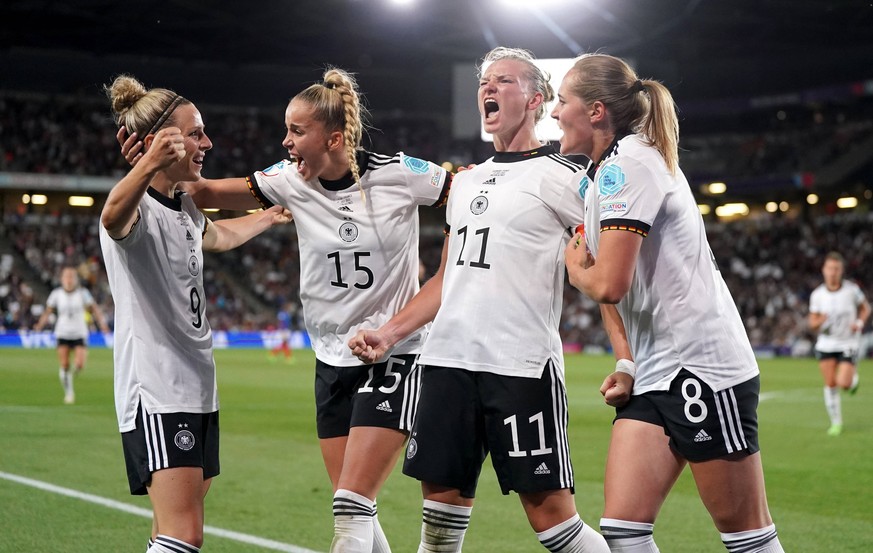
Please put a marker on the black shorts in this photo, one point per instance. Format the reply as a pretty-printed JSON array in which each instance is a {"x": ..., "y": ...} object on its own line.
[
  {"x": 701, "y": 424},
  {"x": 849, "y": 355},
  {"x": 169, "y": 440},
  {"x": 384, "y": 395},
  {"x": 70, "y": 343},
  {"x": 465, "y": 415}
]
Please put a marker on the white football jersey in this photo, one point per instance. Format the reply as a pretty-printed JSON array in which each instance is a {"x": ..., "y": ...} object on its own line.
[
  {"x": 679, "y": 311},
  {"x": 358, "y": 261},
  {"x": 841, "y": 307},
  {"x": 69, "y": 308},
  {"x": 163, "y": 342},
  {"x": 509, "y": 220}
]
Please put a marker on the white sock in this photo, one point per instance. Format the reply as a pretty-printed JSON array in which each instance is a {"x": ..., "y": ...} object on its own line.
[
  {"x": 66, "y": 380},
  {"x": 855, "y": 378},
  {"x": 763, "y": 540},
  {"x": 572, "y": 536},
  {"x": 166, "y": 544},
  {"x": 380, "y": 542},
  {"x": 443, "y": 527},
  {"x": 833, "y": 404},
  {"x": 624, "y": 536},
  {"x": 352, "y": 523}
]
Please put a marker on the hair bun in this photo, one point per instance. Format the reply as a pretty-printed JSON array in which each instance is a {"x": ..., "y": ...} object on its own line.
[{"x": 124, "y": 92}]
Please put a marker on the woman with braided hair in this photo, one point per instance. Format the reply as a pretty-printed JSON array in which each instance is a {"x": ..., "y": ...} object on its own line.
[{"x": 356, "y": 215}]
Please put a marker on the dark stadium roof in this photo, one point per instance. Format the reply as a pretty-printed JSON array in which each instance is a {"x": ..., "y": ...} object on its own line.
[{"x": 250, "y": 50}]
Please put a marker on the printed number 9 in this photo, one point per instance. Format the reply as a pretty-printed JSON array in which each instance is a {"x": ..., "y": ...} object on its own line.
[{"x": 195, "y": 308}]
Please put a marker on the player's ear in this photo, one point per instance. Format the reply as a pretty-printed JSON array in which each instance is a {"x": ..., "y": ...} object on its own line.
[{"x": 335, "y": 141}]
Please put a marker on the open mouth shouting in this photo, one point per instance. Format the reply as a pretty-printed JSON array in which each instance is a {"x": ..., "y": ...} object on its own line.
[{"x": 490, "y": 107}]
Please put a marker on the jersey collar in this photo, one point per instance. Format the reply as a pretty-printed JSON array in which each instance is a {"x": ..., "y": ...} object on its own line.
[
  {"x": 174, "y": 203},
  {"x": 511, "y": 157},
  {"x": 346, "y": 180}
]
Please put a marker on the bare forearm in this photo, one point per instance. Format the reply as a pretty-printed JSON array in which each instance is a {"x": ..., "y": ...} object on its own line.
[
  {"x": 420, "y": 310},
  {"x": 119, "y": 211},
  {"x": 232, "y": 193},
  {"x": 614, "y": 327},
  {"x": 230, "y": 233}
]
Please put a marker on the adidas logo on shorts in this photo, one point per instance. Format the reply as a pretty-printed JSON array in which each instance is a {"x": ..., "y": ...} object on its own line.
[
  {"x": 542, "y": 469},
  {"x": 385, "y": 406},
  {"x": 702, "y": 436}
]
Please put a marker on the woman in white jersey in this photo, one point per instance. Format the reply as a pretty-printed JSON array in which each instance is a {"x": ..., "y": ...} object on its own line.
[
  {"x": 153, "y": 237},
  {"x": 837, "y": 311},
  {"x": 70, "y": 301},
  {"x": 356, "y": 214},
  {"x": 492, "y": 366},
  {"x": 695, "y": 394}
]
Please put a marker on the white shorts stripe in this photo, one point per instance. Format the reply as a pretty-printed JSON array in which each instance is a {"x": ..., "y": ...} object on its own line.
[
  {"x": 164, "y": 457},
  {"x": 741, "y": 437},
  {"x": 560, "y": 420},
  {"x": 411, "y": 389},
  {"x": 148, "y": 441},
  {"x": 730, "y": 421}
]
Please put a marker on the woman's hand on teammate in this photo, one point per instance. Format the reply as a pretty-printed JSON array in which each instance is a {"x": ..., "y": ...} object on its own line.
[{"x": 131, "y": 146}]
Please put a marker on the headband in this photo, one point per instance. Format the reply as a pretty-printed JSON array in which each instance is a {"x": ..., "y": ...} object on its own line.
[{"x": 168, "y": 111}]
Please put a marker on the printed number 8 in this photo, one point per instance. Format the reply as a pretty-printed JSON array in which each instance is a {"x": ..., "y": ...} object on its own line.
[{"x": 693, "y": 400}]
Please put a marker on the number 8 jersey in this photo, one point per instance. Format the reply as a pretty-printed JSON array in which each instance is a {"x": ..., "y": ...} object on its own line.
[{"x": 358, "y": 259}]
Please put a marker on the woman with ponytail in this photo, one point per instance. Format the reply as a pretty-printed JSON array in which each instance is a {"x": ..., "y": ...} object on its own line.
[
  {"x": 694, "y": 378},
  {"x": 356, "y": 214}
]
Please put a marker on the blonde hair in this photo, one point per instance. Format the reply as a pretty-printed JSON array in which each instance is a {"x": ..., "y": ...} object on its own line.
[
  {"x": 536, "y": 77},
  {"x": 141, "y": 110},
  {"x": 337, "y": 104},
  {"x": 635, "y": 105}
]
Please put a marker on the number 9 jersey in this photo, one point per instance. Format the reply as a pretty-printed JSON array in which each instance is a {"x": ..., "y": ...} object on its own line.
[
  {"x": 163, "y": 342},
  {"x": 358, "y": 258}
]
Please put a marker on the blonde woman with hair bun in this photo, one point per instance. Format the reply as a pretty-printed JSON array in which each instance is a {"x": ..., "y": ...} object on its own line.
[
  {"x": 356, "y": 215},
  {"x": 152, "y": 237}
]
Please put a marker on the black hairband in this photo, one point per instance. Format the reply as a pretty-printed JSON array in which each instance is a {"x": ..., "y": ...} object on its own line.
[
  {"x": 168, "y": 111},
  {"x": 329, "y": 85},
  {"x": 637, "y": 87}
]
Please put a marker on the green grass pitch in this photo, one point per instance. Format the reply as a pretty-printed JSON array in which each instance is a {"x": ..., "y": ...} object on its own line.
[{"x": 273, "y": 484}]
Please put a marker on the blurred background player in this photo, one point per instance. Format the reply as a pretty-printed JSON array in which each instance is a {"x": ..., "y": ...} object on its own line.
[
  {"x": 152, "y": 237},
  {"x": 837, "y": 311},
  {"x": 70, "y": 302},
  {"x": 696, "y": 381},
  {"x": 283, "y": 336},
  {"x": 493, "y": 366}
]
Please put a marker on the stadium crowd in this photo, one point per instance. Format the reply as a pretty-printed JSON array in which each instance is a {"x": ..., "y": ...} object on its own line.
[{"x": 771, "y": 263}]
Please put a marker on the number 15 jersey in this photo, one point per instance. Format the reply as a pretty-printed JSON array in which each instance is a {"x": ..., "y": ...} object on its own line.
[{"x": 358, "y": 261}]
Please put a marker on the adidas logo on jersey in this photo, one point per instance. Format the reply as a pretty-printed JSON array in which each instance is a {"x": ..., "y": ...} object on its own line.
[
  {"x": 492, "y": 180},
  {"x": 345, "y": 208},
  {"x": 542, "y": 469},
  {"x": 188, "y": 235},
  {"x": 702, "y": 436},
  {"x": 385, "y": 406}
]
